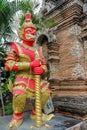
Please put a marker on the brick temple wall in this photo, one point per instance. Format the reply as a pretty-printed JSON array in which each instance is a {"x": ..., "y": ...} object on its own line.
[{"x": 67, "y": 58}]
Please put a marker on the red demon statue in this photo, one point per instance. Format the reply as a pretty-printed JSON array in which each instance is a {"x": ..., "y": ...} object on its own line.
[{"x": 28, "y": 62}]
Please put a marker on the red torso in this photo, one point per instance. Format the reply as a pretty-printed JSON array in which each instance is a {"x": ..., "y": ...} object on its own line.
[
  {"x": 24, "y": 51},
  {"x": 23, "y": 77}
]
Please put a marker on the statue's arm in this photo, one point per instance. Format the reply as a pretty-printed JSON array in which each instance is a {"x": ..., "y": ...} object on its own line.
[
  {"x": 42, "y": 68},
  {"x": 43, "y": 61},
  {"x": 43, "y": 65},
  {"x": 12, "y": 62}
]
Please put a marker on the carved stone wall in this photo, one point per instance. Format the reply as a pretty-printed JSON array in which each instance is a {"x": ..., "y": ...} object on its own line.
[
  {"x": 71, "y": 53},
  {"x": 68, "y": 58}
]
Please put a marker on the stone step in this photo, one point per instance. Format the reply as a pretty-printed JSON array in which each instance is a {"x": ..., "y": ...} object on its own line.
[{"x": 59, "y": 122}]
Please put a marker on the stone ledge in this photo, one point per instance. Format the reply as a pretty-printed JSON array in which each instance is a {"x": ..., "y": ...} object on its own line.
[
  {"x": 74, "y": 106},
  {"x": 58, "y": 123},
  {"x": 76, "y": 127}
]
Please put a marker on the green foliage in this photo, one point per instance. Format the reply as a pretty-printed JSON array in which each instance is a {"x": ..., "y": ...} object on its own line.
[
  {"x": 6, "y": 13},
  {"x": 5, "y": 92},
  {"x": 8, "y": 9},
  {"x": 8, "y": 108},
  {"x": 49, "y": 22},
  {"x": 2, "y": 53},
  {"x": 7, "y": 76},
  {"x": 29, "y": 6},
  {"x": 36, "y": 18}
]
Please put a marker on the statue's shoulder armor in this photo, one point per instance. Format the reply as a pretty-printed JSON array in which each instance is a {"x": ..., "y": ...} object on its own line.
[{"x": 14, "y": 47}]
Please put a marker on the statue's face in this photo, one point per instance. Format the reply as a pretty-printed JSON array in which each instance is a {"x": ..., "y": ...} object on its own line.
[{"x": 29, "y": 34}]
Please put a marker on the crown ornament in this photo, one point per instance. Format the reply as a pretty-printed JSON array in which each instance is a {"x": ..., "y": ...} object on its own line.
[{"x": 26, "y": 24}]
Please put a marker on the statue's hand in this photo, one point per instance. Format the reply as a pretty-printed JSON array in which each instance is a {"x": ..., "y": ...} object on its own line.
[
  {"x": 35, "y": 63},
  {"x": 43, "y": 62},
  {"x": 38, "y": 70}
]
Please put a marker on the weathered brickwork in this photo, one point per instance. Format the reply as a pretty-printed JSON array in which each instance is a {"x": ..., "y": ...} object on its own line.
[{"x": 67, "y": 57}]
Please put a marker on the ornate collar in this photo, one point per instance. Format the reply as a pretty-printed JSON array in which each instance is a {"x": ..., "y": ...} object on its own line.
[{"x": 28, "y": 47}]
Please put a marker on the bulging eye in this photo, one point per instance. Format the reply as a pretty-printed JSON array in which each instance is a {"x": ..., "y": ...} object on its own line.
[{"x": 27, "y": 31}]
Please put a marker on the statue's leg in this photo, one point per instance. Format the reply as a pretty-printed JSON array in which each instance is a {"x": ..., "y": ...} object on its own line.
[
  {"x": 44, "y": 97},
  {"x": 45, "y": 94},
  {"x": 19, "y": 99}
]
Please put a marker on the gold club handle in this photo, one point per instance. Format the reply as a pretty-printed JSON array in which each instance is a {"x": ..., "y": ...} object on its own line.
[{"x": 38, "y": 101}]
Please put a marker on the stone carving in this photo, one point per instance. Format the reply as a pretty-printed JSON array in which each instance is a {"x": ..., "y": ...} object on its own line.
[
  {"x": 52, "y": 36},
  {"x": 77, "y": 50},
  {"x": 49, "y": 6},
  {"x": 75, "y": 29},
  {"x": 49, "y": 34},
  {"x": 79, "y": 2},
  {"x": 85, "y": 44},
  {"x": 85, "y": 7},
  {"x": 78, "y": 71},
  {"x": 85, "y": 20},
  {"x": 52, "y": 67}
]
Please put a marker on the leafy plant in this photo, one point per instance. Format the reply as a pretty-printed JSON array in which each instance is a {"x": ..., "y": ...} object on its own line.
[
  {"x": 6, "y": 77},
  {"x": 13, "y": 7},
  {"x": 8, "y": 108},
  {"x": 37, "y": 18},
  {"x": 6, "y": 17}
]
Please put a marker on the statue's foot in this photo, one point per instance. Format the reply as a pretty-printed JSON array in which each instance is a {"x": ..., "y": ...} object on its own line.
[
  {"x": 45, "y": 117},
  {"x": 15, "y": 123}
]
